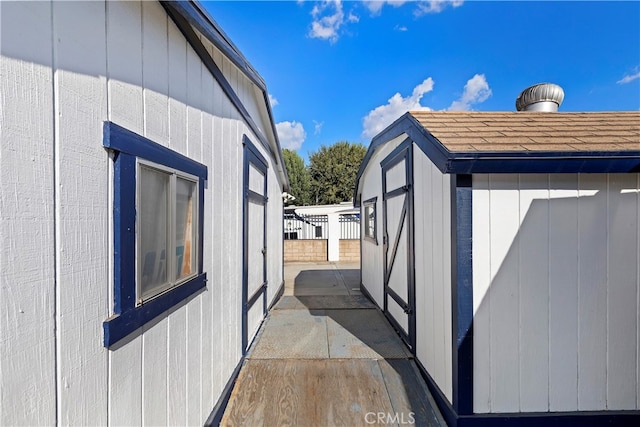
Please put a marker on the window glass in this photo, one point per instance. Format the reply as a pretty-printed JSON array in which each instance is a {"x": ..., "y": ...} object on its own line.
[
  {"x": 186, "y": 226},
  {"x": 153, "y": 222},
  {"x": 370, "y": 219}
]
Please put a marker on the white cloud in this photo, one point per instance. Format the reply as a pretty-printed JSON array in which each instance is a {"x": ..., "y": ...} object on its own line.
[
  {"x": 317, "y": 127},
  {"x": 291, "y": 134},
  {"x": 400, "y": 28},
  {"x": 382, "y": 116},
  {"x": 328, "y": 18},
  {"x": 435, "y": 6},
  {"x": 629, "y": 77},
  {"x": 375, "y": 6},
  {"x": 423, "y": 7},
  {"x": 475, "y": 91},
  {"x": 273, "y": 101}
]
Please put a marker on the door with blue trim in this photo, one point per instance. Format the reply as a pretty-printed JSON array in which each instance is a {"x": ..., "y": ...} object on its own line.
[
  {"x": 254, "y": 276},
  {"x": 397, "y": 204}
]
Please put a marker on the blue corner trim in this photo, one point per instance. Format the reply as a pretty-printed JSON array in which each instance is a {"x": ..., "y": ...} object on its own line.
[{"x": 462, "y": 293}]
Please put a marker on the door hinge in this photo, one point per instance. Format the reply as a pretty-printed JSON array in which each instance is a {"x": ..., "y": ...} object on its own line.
[{"x": 264, "y": 251}]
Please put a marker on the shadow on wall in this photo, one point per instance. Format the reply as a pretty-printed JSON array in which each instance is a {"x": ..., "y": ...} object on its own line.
[
  {"x": 129, "y": 44},
  {"x": 556, "y": 295}
]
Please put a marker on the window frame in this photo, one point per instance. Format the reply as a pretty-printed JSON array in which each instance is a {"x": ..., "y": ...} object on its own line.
[
  {"x": 172, "y": 281},
  {"x": 129, "y": 150},
  {"x": 373, "y": 204}
]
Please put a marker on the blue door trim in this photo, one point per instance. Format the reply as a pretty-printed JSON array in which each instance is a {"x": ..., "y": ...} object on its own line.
[
  {"x": 401, "y": 153},
  {"x": 252, "y": 157}
]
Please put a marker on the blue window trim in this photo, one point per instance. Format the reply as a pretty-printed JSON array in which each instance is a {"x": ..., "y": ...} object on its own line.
[{"x": 127, "y": 147}]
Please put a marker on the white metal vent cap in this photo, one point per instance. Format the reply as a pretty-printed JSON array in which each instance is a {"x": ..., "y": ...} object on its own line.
[{"x": 540, "y": 97}]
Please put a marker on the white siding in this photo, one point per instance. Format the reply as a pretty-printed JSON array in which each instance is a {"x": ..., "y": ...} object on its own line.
[
  {"x": 555, "y": 271},
  {"x": 66, "y": 68},
  {"x": 372, "y": 258},
  {"x": 82, "y": 210},
  {"x": 126, "y": 107},
  {"x": 432, "y": 219},
  {"x": 27, "y": 209}
]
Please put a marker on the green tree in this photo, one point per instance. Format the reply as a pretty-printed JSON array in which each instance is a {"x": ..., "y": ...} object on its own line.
[
  {"x": 299, "y": 177},
  {"x": 333, "y": 171}
]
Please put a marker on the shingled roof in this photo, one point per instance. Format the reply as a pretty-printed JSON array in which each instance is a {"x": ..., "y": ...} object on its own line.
[
  {"x": 470, "y": 142},
  {"x": 533, "y": 131}
]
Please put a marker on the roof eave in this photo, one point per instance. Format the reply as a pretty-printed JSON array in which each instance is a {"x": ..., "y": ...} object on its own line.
[
  {"x": 193, "y": 12},
  {"x": 448, "y": 162}
]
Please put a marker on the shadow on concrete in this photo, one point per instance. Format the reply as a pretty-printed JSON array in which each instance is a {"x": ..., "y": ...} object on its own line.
[{"x": 355, "y": 329}]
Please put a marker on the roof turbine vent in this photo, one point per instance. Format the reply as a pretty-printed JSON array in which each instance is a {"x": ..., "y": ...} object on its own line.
[{"x": 545, "y": 97}]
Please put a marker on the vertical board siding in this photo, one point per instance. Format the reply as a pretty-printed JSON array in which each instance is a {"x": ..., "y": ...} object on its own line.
[
  {"x": 481, "y": 247},
  {"x": 125, "y": 107},
  {"x": 82, "y": 211},
  {"x": 177, "y": 322},
  {"x": 155, "y": 76},
  {"x": 27, "y": 261},
  {"x": 622, "y": 291},
  {"x": 372, "y": 258},
  {"x": 432, "y": 201},
  {"x": 592, "y": 291},
  {"x": 206, "y": 392},
  {"x": 194, "y": 308},
  {"x": 563, "y": 293},
  {"x": 534, "y": 293},
  {"x": 504, "y": 223},
  {"x": 557, "y": 305},
  {"x": 68, "y": 68}
]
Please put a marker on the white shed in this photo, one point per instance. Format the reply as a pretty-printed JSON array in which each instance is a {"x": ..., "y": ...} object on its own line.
[
  {"x": 140, "y": 212},
  {"x": 505, "y": 249}
]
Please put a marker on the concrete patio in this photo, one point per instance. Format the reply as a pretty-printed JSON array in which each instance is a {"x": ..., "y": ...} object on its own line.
[{"x": 326, "y": 356}]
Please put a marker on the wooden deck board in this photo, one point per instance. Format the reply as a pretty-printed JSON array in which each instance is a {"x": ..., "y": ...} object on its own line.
[
  {"x": 307, "y": 393},
  {"x": 320, "y": 302},
  {"x": 335, "y": 366},
  {"x": 362, "y": 334},
  {"x": 292, "y": 334},
  {"x": 410, "y": 398}
]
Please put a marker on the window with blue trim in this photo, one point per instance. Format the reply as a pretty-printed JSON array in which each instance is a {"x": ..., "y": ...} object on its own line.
[{"x": 158, "y": 211}]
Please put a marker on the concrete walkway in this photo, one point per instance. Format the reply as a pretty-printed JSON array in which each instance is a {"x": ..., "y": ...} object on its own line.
[{"x": 326, "y": 356}]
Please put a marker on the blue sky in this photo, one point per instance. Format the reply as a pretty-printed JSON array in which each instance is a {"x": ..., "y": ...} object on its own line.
[{"x": 345, "y": 70}]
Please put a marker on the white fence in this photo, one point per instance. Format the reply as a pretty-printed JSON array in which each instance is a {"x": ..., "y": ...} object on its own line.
[{"x": 300, "y": 226}]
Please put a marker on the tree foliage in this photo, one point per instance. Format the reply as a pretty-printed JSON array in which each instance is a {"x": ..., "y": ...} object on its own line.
[
  {"x": 299, "y": 177},
  {"x": 333, "y": 171}
]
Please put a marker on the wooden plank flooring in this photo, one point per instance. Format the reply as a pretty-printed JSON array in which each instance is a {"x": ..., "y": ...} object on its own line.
[{"x": 333, "y": 366}]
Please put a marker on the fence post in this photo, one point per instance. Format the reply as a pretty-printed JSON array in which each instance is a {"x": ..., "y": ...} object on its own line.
[{"x": 333, "y": 237}]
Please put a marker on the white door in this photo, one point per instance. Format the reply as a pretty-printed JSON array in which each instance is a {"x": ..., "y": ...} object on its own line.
[
  {"x": 254, "y": 283},
  {"x": 397, "y": 203}
]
